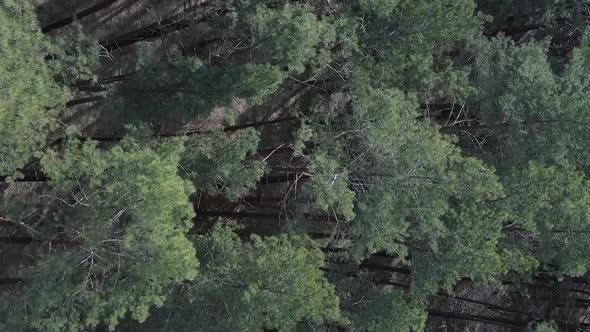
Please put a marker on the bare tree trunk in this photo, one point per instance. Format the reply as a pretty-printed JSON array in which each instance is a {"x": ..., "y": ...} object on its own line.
[
  {"x": 11, "y": 281},
  {"x": 174, "y": 23},
  {"x": 85, "y": 100},
  {"x": 28, "y": 177},
  {"x": 511, "y": 323},
  {"x": 86, "y": 12}
]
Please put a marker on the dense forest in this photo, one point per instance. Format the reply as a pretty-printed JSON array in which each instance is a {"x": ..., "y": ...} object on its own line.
[{"x": 294, "y": 165}]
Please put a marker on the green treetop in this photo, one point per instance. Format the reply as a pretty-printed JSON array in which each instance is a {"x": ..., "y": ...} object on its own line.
[
  {"x": 550, "y": 207},
  {"x": 268, "y": 283},
  {"x": 290, "y": 36},
  {"x": 430, "y": 24},
  {"x": 30, "y": 99},
  {"x": 181, "y": 88},
  {"x": 545, "y": 327},
  {"x": 408, "y": 44},
  {"x": 532, "y": 111},
  {"x": 217, "y": 163},
  {"x": 123, "y": 215},
  {"x": 425, "y": 202},
  {"x": 416, "y": 196},
  {"x": 390, "y": 310},
  {"x": 516, "y": 87}
]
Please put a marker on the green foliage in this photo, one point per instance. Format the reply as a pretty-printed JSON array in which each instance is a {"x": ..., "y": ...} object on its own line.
[
  {"x": 126, "y": 212},
  {"x": 217, "y": 163},
  {"x": 546, "y": 327},
  {"x": 401, "y": 156},
  {"x": 410, "y": 43},
  {"x": 418, "y": 197},
  {"x": 410, "y": 71},
  {"x": 182, "y": 87},
  {"x": 381, "y": 8},
  {"x": 303, "y": 135},
  {"x": 78, "y": 56},
  {"x": 329, "y": 187},
  {"x": 30, "y": 99},
  {"x": 552, "y": 203},
  {"x": 532, "y": 112},
  {"x": 555, "y": 18},
  {"x": 347, "y": 43},
  {"x": 430, "y": 24},
  {"x": 516, "y": 84},
  {"x": 291, "y": 36},
  {"x": 571, "y": 123},
  {"x": 472, "y": 227},
  {"x": 111, "y": 225},
  {"x": 391, "y": 311},
  {"x": 518, "y": 262},
  {"x": 414, "y": 71},
  {"x": 273, "y": 283},
  {"x": 10, "y": 302}
]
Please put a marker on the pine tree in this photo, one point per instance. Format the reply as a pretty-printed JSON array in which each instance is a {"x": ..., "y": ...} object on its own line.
[
  {"x": 416, "y": 196},
  {"x": 390, "y": 310},
  {"x": 266, "y": 283},
  {"x": 532, "y": 111},
  {"x": 290, "y": 36},
  {"x": 407, "y": 209},
  {"x": 545, "y": 327},
  {"x": 30, "y": 98},
  {"x": 122, "y": 216},
  {"x": 408, "y": 44},
  {"x": 426, "y": 200},
  {"x": 182, "y": 88},
  {"x": 216, "y": 163},
  {"x": 550, "y": 205}
]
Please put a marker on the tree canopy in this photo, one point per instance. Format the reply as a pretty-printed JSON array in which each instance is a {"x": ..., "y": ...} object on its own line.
[
  {"x": 30, "y": 97},
  {"x": 122, "y": 215},
  {"x": 363, "y": 165},
  {"x": 272, "y": 283}
]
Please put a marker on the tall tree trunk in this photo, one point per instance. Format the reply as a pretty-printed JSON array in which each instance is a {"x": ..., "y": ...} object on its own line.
[
  {"x": 327, "y": 218},
  {"x": 277, "y": 177},
  {"x": 86, "y": 12},
  {"x": 511, "y": 323},
  {"x": 87, "y": 85},
  {"x": 174, "y": 23},
  {"x": 283, "y": 177},
  {"x": 259, "y": 124},
  {"x": 11, "y": 281},
  {"x": 28, "y": 177},
  {"x": 16, "y": 239},
  {"x": 187, "y": 133},
  {"x": 85, "y": 100}
]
